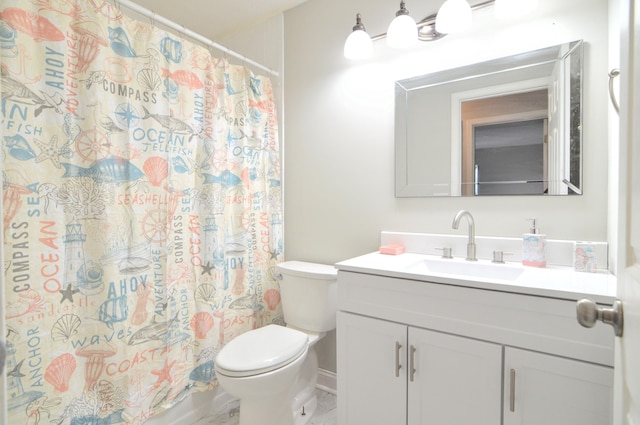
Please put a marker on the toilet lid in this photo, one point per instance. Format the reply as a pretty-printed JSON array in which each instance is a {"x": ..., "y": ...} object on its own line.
[{"x": 261, "y": 350}]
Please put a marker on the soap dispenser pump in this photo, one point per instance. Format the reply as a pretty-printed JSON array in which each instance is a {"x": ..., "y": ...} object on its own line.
[{"x": 533, "y": 247}]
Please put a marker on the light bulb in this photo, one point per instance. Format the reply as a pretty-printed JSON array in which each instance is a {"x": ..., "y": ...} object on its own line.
[
  {"x": 453, "y": 16},
  {"x": 358, "y": 45},
  {"x": 402, "y": 31},
  {"x": 511, "y": 9}
]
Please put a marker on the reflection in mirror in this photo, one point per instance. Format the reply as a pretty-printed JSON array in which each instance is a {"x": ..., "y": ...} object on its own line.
[{"x": 510, "y": 126}]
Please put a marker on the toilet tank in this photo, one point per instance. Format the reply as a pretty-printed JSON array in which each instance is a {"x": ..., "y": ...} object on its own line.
[{"x": 309, "y": 294}]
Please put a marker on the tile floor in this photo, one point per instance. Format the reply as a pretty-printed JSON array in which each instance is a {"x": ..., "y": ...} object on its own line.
[{"x": 325, "y": 414}]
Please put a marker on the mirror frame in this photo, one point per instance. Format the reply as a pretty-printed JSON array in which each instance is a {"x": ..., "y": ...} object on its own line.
[{"x": 571, "y": 180}]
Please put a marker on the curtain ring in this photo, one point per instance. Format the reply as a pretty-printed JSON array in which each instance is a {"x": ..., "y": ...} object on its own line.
[{"x": 613, "y": 74}]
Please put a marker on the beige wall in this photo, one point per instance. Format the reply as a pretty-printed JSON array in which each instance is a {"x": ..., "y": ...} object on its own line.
[{"x": 338, "y": 138}]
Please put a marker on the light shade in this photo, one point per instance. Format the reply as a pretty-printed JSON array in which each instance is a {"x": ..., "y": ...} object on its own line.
[
  {"x": 453, "y": 16},
  {"x": 402, "y": 31},
  {"x": 358, "y": 45},
  {"x": 510, "y": 9}
]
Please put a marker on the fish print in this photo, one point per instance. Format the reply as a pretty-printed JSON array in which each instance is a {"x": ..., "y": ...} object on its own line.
[
  {"x": 183, "y": 77},
  {"x": 17, "y": 92},
  {"x": 227, "y": 179},
  {"x": 155, "y": 331},
  {"x": 171, "y": 49},
  {"x": 109, "y": 170},
  {"x": 119, "y": 42},
  {"x": 114, "y": 310},
  {"x": 172, "y": 124},
  {"x": 37, "y": 27}
]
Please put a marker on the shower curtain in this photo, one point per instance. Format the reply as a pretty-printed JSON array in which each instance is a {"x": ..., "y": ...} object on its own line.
[{"x": 141, "y": 212}]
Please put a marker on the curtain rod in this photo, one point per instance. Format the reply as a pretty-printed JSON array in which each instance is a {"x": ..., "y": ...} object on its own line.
[{"x": 191, "y": 34}]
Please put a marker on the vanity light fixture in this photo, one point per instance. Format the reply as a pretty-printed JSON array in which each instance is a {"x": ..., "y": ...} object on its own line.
[
  {"x": 453, "y": 16},
  {"x": 358, "y": 45},
  {"x": 402, "y": 31}
]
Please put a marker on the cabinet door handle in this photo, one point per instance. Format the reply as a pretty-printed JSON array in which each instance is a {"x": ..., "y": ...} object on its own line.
[
  {"x": 398, "y": 365},
  {"x": 412, "y": 363},
  {"x": 512, "y": 391}
]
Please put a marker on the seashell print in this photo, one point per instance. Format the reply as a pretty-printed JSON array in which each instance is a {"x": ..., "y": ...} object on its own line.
[
  {"x": 182, "y": 77},
  {"x": 156, "y": 169},
  {"x": 120, "y": 43},
  {"x": 65, "y": 327},
  {"x": 19, "y": 148},
  {"x": 201, "y": 323},
  {"x": 149, "y": 79},
  {"x": 59, "y": 372},
  {"x": 205, "y": 293},
  {"x": 272, "y": 298},
  {"x": 37, "y": 27}
]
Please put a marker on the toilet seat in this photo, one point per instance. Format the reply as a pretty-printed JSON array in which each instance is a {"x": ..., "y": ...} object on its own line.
[{"x": 261, "y": 350}]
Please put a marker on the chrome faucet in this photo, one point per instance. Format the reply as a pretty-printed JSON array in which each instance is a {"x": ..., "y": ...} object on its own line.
[{"x": 471, "y": 244}]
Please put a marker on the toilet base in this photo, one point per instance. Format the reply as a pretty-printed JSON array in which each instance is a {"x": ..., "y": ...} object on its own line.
[{"x": 304, "y": 415}]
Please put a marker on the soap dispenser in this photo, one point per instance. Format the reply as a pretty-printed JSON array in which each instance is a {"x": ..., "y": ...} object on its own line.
[{"x": 533, "y": 246}]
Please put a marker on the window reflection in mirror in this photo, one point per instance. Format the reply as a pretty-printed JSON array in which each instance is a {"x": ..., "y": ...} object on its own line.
[
  {"x": 434, "y": 137},
  {"x": 503, "y": 144}
]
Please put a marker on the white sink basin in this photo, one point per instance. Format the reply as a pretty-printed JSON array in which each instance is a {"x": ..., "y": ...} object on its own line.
[{"x": 468, "y": 269}]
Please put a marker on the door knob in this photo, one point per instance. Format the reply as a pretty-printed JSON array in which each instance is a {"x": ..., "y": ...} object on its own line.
[{"x": 589, "y": 313}]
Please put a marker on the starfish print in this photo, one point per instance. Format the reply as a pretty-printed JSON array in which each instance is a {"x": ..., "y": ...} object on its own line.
[
  {"x": 67, "y": 294},
  {"x": 164, "y": 373},
  {"x": 206, "y": 268},
  {"x": 274, "y": 255},
  {"x": 49, "y": 151}
]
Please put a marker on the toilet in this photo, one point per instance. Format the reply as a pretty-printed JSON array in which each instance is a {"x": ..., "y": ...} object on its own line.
[{"x": 273, "y": 370}]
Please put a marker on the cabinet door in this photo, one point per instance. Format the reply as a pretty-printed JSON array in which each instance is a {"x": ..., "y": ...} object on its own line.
[
  {"x": 372, "y": 384},
  {"x": 454, "y": 381},
  {"x": 544, "y": 389}
]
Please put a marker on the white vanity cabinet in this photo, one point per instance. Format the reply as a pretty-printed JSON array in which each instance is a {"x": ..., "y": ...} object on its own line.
[{"x": 418, "y": 353}]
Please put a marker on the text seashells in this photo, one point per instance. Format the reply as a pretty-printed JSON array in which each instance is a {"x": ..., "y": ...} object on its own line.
[
  {"x": 59, "y": 372},
  {"x": 201, "y": 323},
  {"x": 156, "y": 169},
  {"x": 65, "y": 327}
]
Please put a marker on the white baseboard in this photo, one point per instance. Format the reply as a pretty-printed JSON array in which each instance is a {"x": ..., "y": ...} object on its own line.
[
  {"x": 205, "y": 404},
  {"x": 327, "y": 381}
]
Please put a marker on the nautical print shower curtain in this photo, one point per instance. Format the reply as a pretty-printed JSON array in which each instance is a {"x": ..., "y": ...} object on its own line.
[{"x": 141, "y": 211}]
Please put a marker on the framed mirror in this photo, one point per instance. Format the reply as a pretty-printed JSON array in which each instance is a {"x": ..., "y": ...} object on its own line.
[{"x": 509, "y": 126}]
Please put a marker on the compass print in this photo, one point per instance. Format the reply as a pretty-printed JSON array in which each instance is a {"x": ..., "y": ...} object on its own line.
[{"x": 126, "y": 115}]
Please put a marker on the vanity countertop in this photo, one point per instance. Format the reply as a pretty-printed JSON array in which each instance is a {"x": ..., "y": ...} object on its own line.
[{"x": 552, "y": 281}]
